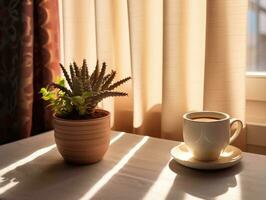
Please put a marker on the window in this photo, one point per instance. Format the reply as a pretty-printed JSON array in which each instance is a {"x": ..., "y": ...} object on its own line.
[
  {"x": 256, "y": 77},
  {"x": 256, "y": 36}
]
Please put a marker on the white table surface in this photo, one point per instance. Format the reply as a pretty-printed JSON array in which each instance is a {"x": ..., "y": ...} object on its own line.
[{"x": 135, "y": 167}]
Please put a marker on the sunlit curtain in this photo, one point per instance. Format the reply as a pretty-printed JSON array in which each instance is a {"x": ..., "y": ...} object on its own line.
[
  {"x": 183, "y": 55},
  {"x": 29, "y": 56}
]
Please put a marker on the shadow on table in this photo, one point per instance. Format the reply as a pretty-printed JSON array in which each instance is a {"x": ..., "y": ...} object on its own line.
[
  {"x": 135, "y": 180},
  {"x": 10, "y": 153},
  {"x": 49, "y": 176},
  {"x": 52, "y": 180},
  {"x": 203, "y": 184}
]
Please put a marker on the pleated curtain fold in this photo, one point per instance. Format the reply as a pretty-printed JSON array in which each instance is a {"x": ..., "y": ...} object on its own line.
[{"x": 183, "y": 55}]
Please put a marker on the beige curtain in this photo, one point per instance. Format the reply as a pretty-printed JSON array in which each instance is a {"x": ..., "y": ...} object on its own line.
[{"x": 183, "y": 55}]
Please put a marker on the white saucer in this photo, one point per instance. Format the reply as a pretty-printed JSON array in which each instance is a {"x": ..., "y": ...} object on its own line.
[{"x": 230, "y": 156}]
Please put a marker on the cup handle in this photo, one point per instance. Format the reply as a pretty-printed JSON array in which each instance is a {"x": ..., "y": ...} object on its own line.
[{"x": 238, "y": 129}]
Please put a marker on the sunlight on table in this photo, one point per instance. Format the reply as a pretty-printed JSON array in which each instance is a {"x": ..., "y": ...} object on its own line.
[
  {"x": 162, "y": 185},
  {"x": 19, "y": 163},
  {"x": 117, "y": 137},
  {"x": 30, "y": 158},
  {"x": 95, "y": 188}
]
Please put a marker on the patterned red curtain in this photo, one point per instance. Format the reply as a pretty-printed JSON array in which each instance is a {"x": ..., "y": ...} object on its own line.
[{"x": 29, "y": 57}]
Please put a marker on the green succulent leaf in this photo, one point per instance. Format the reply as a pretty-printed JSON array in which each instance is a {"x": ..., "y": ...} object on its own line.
[
  {"x": 60, "y": 81},
  {"x": 87, "y": 94},
  {"x": 78, "y": 100},
  {"x": 44, "y": 91},
  {"x": 47, "y": 95}
]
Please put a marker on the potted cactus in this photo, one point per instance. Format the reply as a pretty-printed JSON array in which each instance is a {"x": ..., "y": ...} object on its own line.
[{"x": 82, "y": 131}]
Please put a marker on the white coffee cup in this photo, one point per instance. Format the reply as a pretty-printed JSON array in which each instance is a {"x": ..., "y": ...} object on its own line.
[{"x": 207, "y": 133}]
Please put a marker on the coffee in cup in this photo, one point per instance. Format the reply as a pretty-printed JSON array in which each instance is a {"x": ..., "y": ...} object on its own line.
[{"x": 207, "y": 133}]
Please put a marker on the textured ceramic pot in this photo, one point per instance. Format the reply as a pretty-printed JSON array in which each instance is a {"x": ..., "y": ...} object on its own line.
[{"x": 82, "y": 141}]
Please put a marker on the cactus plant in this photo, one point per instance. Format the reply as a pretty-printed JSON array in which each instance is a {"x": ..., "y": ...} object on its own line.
[{"x": 85, "y": 91}]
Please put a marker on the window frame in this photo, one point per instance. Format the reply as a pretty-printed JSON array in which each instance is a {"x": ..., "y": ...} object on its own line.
[
  {"x": 257, "y": 79},
  {"x": 256, "y": 132}
]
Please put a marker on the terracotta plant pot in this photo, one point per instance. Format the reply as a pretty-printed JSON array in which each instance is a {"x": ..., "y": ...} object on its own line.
[{"x": 82, "y": 141}]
